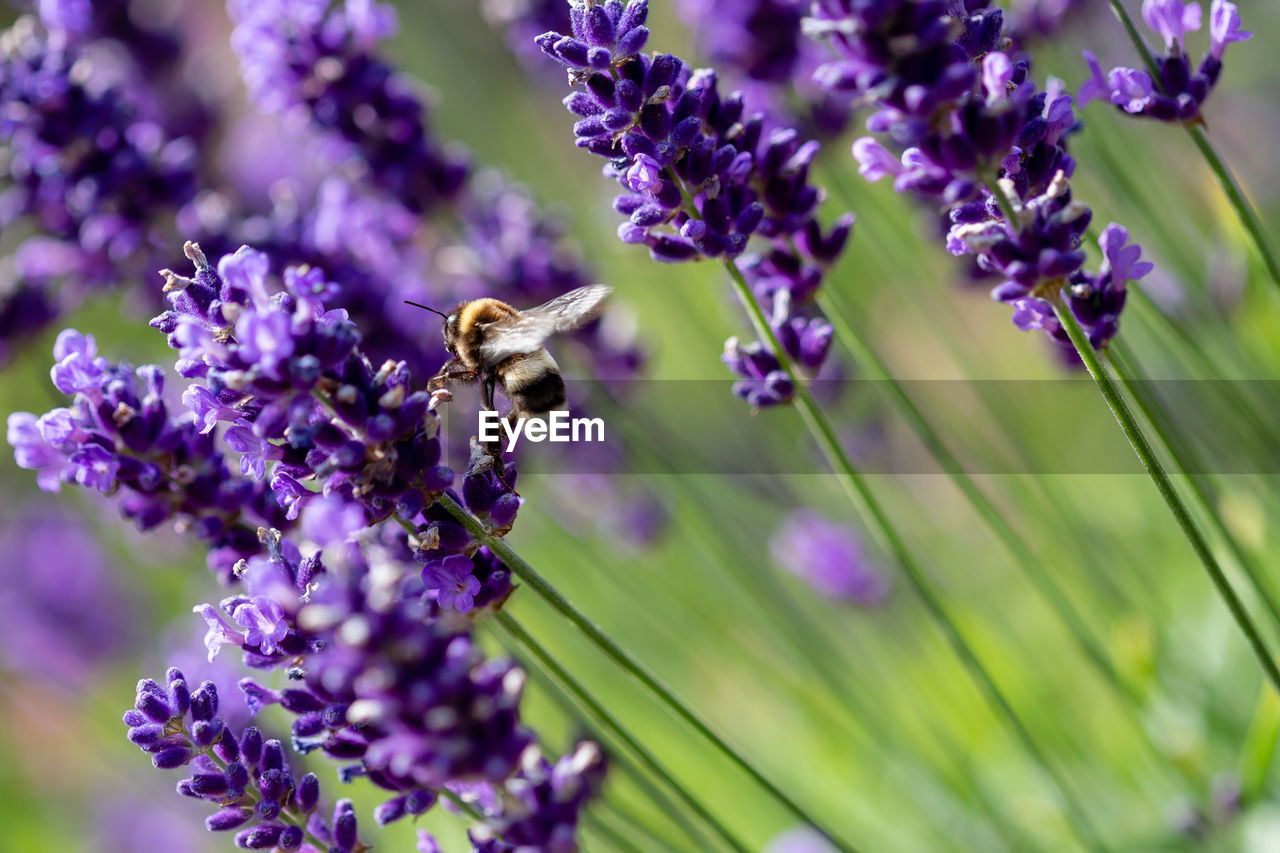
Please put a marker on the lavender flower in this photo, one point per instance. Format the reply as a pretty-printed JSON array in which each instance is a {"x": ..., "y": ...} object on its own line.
[
  {"x": 307, "y": 58},
  {"x": 118, "y": 437},
  {"x": 147, "y": 58},
  {"x": 395, "y": 682},
  {"x": 320, "y": 61},
  {"x": 65, "y": 613},
  {"x": 539, "y": 809},
  {"x": 97, "y": 210},
  {"x": 1179, "y": 93},
  {"x": 284, "y": 373},
  {"x": 972, "y": 125},
  {"x": 452, "y": 581},
  {"x": 829, "y": 557},
  {"x": 245, "y": 776},
  {"x": 701, "y": 177},
  {"x": 761, "y": 49}
]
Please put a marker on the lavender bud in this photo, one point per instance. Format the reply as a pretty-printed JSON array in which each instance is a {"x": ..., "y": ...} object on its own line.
[{"x": 227, "y": 819}]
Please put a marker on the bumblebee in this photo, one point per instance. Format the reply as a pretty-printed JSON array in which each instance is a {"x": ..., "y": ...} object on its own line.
[{"x": 492, "y": 343}]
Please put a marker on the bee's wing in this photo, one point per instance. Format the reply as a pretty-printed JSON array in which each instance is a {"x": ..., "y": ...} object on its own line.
[{"x": 526, "y": 332}]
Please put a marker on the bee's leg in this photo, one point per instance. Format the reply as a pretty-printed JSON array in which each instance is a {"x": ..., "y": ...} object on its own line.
[
  {"x": 499, "y": 467},
  {"x": 493, "y": 448},
  {"x": 490, "y": 383},
  {"x": 452, "y": 371}
]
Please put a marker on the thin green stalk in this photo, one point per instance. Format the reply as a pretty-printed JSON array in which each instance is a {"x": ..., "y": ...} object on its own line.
[
  {"x": 1177, "y": 337},
  {"x": 634, "y": 823},
  {"x": 1259, "y": 749},
  {"x": 1244, "y": 209},
  {"x": 1188, "y": 463},
  {"x": 1137, "y": 440},
  {"x": 629, "y": 664},
  {"x": 465, "y": 807},
  {"x": 1094, "y": 650},
  {"x": 615, "y": 838},
  {"x": 522, "y": 637},
  {"x": 835, "y": 178},
  {"x": 860, "y": 494},
  {"x": 1017, "y": 547},
  {"x": 862, "y": 717},
  {"x": 552, "y": 689}
]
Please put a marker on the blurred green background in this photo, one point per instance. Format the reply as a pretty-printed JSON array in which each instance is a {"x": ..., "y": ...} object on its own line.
[{"x": 862, "y": 714}]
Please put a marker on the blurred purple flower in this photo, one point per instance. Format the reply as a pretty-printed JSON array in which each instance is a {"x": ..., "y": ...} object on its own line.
[
  {"x": 829, "y": 557},
  {"x": 799, "y": 840},
  {"x": 65, "y": 611}
]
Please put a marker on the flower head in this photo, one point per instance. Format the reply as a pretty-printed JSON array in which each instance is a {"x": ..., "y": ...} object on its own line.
[
  {"x": 1181, "y": 89},
  {"x": 452, "y": 581}
]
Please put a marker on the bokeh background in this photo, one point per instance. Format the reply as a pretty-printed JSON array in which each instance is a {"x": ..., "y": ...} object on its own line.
[{"x": 860, "y": 712}]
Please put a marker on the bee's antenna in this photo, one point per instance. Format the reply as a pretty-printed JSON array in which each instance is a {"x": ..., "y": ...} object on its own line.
[{"x": 432, "y": 310}]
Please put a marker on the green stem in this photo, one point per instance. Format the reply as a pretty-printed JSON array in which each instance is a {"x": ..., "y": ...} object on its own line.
[
  {"x": 628, "y": 663},
  {"x": 864, "y": 501},
  {"x": 615, "y": 838},
  {"x": 1164, "y": 485},
  {"x": 1188, "y": 464},
  {"x": 636, "y": 826},
  {"x": 1196, "y": 358},
  {"x": 1244, "y": 209},
  {"x": 875, "y": 369},
  {"x": 593, "y": 706}
]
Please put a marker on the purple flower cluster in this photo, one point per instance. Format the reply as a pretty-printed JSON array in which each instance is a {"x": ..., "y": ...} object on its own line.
[
  {"x": 119, "y": 437},
  {"x": 979, "y": 141},
  {"x": 539, "y": 808},
  {"x": 760, "y": 48},
  {"x": 148, "y": 58},
  {"x": 368, "y": 605},
  {"x": 830, "y": 558},
  {"x": 285, "y": 376},
  {"x": 320, "y": 61},
  {"x": 398, "y": 685},
  {"x": 1179, "y": 93},
  {"x": 701, "y": 176},
  {"x": 244, "y": 775},
  {"x": 313, "y": 59},
  {"x": 82, "y": 169}
]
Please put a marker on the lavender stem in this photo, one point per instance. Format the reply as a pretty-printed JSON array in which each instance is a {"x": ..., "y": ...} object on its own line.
[
  {"x": 1089, "y": 645},
  {"x": 646, "y": 785},
  {"x": 884, "y": 531},
  {"x": 1188, "y": 464},
  {"x": 526, "y": 641},
  {"x": 1142, "y": 447},
  {"x": 633, "y": 667}
]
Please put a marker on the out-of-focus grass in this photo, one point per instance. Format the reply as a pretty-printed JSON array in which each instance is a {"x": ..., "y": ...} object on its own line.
[{"x": 681, "y": 606}]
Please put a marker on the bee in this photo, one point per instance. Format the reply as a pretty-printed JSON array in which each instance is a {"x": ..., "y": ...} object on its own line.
[{"x": 492, "y": 343}]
